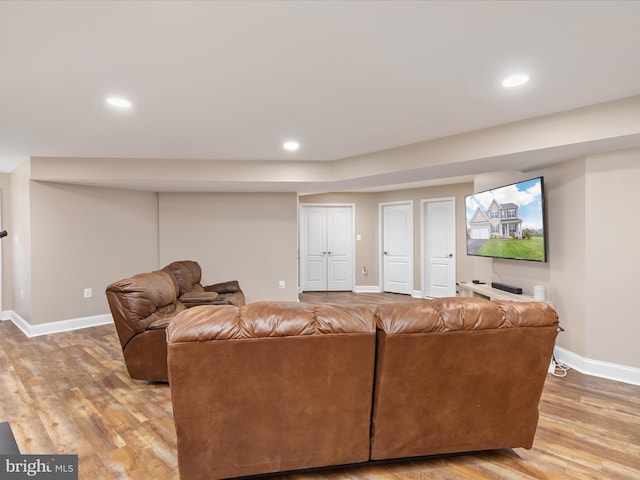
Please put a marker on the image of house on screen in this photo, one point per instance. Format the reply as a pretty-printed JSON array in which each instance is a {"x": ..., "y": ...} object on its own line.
[{"x": 497, "y": 221}]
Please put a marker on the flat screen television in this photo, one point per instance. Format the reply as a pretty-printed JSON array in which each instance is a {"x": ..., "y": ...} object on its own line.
[{"x": 508, "y": 222}]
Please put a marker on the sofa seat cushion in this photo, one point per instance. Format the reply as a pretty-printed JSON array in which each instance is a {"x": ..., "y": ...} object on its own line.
[{"x": 163, "y": 316}]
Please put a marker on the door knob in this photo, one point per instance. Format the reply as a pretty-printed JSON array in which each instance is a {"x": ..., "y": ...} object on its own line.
[
  {"x": 450, "y": 255},
  {"x": 386, "y": 253}
]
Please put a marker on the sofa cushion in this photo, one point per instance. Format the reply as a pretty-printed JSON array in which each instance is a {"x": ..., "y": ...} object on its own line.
[
  {"x": 441, "y": 315},
  {"x": 187, "y": 273},
  {"x": 268, "y": 319}
]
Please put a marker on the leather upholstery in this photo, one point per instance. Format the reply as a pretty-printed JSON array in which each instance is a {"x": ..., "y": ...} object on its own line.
[
  {"x": 459, "y": 375},
  {"x": 271, "y": 386},
  {"x": 276, "y": 386},
  {"x": 188, "y": 274},
  {"x": 142, "y": 306}
]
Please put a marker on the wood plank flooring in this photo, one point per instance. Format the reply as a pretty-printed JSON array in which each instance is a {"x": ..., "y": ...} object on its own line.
[{"x": 70, "y": 393}]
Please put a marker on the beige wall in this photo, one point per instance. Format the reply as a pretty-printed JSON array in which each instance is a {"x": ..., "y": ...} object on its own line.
[
  {"x": 612, "y": 236},
  {"x": 20, "y": 238},
  {"x": 5, "y": 244},
  {"x": 249, "y": 237},
  {"x": 84, "y": 237},
  {"x": 566, "y": 280},
  {"x": 367, "y": 225},
  {"x": 73, "y": 237}
]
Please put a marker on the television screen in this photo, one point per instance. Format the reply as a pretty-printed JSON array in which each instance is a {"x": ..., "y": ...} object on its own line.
[{"x": 508, "y": 222}]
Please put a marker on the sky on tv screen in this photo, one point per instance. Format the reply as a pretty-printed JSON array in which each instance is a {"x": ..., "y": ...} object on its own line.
[{"x": 527, "y": 195}]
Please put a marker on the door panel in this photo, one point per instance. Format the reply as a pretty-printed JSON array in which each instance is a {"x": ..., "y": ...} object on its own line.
[
  {"x": 439, "y": 247},
  {"x": 314, "y": 245},
  {"x": 316, "y": 272},
  {"x": 397, "y": 246},
  {"x": 339, "y": 247}
]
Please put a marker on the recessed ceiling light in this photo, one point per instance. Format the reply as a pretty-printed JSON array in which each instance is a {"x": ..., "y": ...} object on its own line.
[
  {"x": 291, "y": 145},
  {"x": 119, "y": 102},
  {"x": 515, "y": 80}
]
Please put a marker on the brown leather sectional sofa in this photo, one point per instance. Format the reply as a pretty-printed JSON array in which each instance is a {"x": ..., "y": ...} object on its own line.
[
  {"x": 143, "y": 305},
  {"x": 275, "y": 386}
]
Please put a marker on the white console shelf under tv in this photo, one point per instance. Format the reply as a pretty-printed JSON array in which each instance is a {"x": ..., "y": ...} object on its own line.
[{"x": 469, "y": 289}]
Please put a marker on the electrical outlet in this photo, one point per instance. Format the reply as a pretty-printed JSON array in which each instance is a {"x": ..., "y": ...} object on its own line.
[
  {"x": 88, "y": 293},
  {"x": 281, "y": 284}
]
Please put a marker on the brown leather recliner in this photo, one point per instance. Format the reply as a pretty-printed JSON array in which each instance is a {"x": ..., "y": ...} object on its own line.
[
  {"x": 188, "y": 273},
  {"x": 270, "y": 386},
  {"x": 142, "y": 306},
  {"x": 459, "y": 375}
]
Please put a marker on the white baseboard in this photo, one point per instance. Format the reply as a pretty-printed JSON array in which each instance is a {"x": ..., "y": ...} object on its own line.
[
  {"x": 378, "y": 289},
  {"x": 598, "y": 368},
  {"x": 56, "y": 327},
  {"x": 367, "y": 289}
]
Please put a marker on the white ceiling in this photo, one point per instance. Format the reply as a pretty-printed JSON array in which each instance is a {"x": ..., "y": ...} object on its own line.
[{"x": 233, "y": 80}]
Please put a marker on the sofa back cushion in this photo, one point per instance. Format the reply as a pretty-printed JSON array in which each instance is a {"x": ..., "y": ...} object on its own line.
[
  {"x": 188, "y": 275},
  {"x": 270, "y": 386},
  {"x": 458, "y": 375}
]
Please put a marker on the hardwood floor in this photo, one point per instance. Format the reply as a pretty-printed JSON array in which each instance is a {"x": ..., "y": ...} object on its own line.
[
  {"x": 348, "y": 298},
  {"x": 70, "y": 393}
]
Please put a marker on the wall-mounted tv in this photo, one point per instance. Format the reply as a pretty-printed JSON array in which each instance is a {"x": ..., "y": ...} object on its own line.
[{"x": 508, "y": 222}]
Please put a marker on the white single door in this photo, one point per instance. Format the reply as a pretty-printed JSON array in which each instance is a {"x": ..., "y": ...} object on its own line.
[
  {"x": 313, "y": 243},
  {"x": 397, "y": 247},
  {"x": 339, "y": 247},
  {"x": 440, "y": 248},
  {"x": 326, "y": 244}
]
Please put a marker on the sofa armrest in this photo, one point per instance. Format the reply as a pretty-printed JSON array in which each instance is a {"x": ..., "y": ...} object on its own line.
[
  {"x": 225, "y": 287},
  {"x": 193, "y": 299}
]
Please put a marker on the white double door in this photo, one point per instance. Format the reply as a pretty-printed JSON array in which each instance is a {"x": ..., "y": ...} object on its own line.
[{"x": 326, "y": 246}]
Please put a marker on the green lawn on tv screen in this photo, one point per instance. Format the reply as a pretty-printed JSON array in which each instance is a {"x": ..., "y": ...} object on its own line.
[{"x": 532, "y": 249}]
